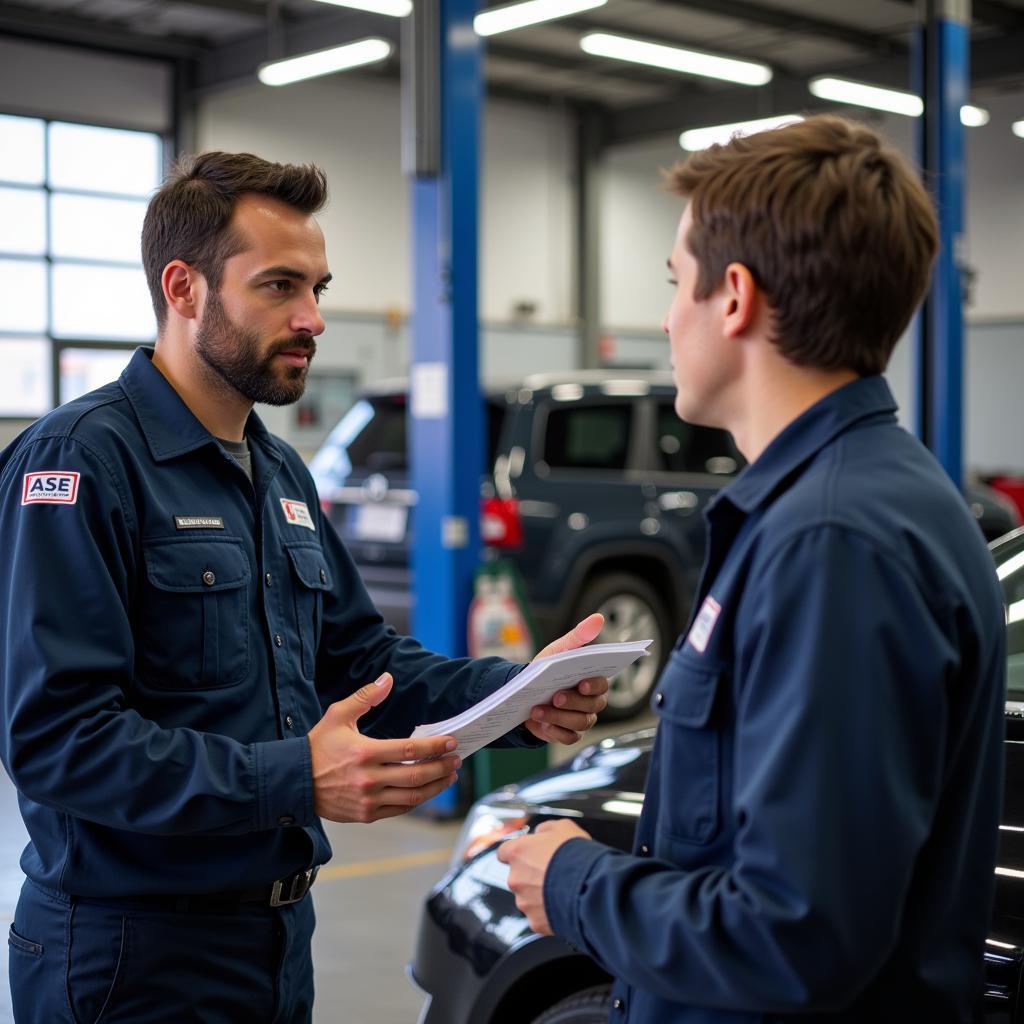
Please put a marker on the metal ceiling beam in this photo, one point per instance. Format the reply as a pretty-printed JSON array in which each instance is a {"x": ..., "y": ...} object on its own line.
[
  {"x": 27, "y": 23},
  {"x": 607, "y": 71},
  {"x": 1000, "y": 15},
  {"x": 990, "y": 12},
  {"x": 991, "y": 60},
  {"x": 237, "y": 62},
  {"x": 784, "y": 95},
  {"x": 790, "y": 21}
]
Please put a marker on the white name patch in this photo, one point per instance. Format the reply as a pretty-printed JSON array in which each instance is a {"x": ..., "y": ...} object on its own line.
[
  {"x": 704, "y": 625},
  {"x": 297, "y": 513},
  {"x": 52, "y": 487}
]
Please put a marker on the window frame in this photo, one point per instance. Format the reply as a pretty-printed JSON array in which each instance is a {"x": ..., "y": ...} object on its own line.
[{"x": 59, "y": 344}]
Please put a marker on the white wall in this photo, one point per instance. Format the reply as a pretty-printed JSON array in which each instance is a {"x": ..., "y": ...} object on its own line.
[
  {"x": 39, "y": 80},
  {"x": 352, "y": 128}
]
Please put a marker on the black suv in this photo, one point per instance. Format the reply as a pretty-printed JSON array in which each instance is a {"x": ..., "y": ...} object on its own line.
[{"x": 595, "y": 494}]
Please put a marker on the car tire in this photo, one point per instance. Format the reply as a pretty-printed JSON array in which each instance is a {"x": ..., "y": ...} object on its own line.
[
  {"x": 591, "y": 1006},
  {"x": 632, "y": 611}
]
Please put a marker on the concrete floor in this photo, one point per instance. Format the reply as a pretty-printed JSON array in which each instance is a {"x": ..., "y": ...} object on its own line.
[{"x": 367, "y": 899}]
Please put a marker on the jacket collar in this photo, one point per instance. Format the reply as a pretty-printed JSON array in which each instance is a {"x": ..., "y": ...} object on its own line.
[
  {"x": 168, "y": 425},
  {"x": 861, "y": 399}
]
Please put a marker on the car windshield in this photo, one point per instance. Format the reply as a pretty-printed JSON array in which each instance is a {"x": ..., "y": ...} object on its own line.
[
  {"x": 371, "y": 438},
  {"x": 1010, "y": 570}
]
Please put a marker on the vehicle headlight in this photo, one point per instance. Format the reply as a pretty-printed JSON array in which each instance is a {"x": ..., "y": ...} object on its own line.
[{"x": 486, "y": 824}]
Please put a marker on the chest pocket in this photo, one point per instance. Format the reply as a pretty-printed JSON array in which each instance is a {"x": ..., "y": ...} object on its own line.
[
  {"x": 193, "y": 626},
  {"x": 689, "y": 750},
  {"x": 311, "y": 577}
]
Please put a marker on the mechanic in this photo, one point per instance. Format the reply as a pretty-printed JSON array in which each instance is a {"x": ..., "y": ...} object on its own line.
[
  {"x": 818, "y": 836},
  {"x": 192, "y": 672}
]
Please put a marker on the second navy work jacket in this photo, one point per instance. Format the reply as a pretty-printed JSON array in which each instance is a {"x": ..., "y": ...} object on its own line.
[
  {"x": 818, "y": 835},
  {"x": 170, "y": 633}
]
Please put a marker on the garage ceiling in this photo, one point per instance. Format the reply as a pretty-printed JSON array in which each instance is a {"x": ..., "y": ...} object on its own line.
[{"x": 220, "y": 43}]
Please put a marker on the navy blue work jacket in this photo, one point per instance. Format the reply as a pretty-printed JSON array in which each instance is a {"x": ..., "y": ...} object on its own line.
[
  {"x": 819, "y": 831},
  {"x": 170, "y": 633}
]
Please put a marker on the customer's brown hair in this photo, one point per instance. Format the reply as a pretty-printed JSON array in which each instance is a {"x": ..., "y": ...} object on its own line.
[
  {"x": 189, "y": 216},
  {"x": 834, "y": 227}
]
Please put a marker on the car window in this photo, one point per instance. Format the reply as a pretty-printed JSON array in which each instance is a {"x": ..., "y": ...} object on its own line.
[
  {"x": 1010, "y": 570},
  {"x": 684, "y": 448},
  {"x": 594, "y": 437},
  {"x": 371, "y": 438}
]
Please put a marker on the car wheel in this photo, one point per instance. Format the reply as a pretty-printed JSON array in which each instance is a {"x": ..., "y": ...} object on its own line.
[
  {"x": 632, "y": 611},
  {"x": 591, "y": 1006}
]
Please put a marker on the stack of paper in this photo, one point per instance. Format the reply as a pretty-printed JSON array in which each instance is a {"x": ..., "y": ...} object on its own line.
[{"x": 510, "y": 706}]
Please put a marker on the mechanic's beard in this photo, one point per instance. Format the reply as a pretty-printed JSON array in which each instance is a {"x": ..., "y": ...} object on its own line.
[{"x": 234, "y": 355}]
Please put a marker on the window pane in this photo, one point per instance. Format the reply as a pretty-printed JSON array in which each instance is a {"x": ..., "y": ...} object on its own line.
[
  {"x": 582, "y": 437},
  {"x": 25, "y": 382},
  {"x": 21, "y": 150},
  {"x": 85, "y": 369},
  {"x": 84, "y": 227},
  {"x": 101, "y": 302},
  {"x": 22, "y": 221},
  {"x": 103, "y": 159},
  {"x": 23, "y": 296},
  {"x": 684, "y": 448}
]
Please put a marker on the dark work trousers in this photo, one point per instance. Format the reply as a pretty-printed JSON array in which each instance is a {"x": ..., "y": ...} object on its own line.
[{"x": 80, "y": 961}]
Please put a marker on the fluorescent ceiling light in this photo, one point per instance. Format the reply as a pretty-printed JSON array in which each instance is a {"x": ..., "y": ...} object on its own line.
[
  {"x": 1018, "y": 129},
  {"x": 701, "y": 138},
  {"x": 324, "y": 62},
  {"x": 532, "y": 12},
  {"x": 673, "y": 58},
  {"x": 396, "y": 8},
  {"x": 842, "y": 90},
  {"x": 973, "y": 117}
]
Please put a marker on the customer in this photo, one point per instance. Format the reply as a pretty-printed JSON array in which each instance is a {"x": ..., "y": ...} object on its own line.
[{"x": 819, "y": 829}]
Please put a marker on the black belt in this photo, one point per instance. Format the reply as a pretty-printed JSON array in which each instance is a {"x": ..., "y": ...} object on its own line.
[{"x": 282, "y": 893}]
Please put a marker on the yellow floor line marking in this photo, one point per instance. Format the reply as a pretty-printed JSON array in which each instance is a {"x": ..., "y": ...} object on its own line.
[{"x": 385, "y": 864}]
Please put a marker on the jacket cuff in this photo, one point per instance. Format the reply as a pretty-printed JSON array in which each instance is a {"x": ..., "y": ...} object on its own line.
[
  {"x": 564, "y": 883},
  {"x": 284, "y": 783}
]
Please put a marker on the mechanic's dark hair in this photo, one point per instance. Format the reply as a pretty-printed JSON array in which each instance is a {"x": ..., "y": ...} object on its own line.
[
  {"x": 189, "y": 216},
  {"x": 834, "y": 227}
]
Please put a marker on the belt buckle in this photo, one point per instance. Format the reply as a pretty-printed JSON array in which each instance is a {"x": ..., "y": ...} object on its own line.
[{"x": 286, "y": 891}]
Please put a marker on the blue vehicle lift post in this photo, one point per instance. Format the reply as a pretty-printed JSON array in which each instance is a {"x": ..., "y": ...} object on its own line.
[
  {"x": 941, "y": 59},
  {"x": 442, "y": 93}
]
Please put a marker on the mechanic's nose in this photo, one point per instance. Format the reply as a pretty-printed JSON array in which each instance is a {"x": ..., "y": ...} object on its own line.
[{"x": 309, "y": 320}]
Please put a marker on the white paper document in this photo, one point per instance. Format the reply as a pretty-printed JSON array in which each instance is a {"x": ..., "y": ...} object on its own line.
[{"x": 510, "y": 706}]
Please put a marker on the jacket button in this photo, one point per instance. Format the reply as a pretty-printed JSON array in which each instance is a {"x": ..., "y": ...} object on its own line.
[
  {"x": 289, "y": 721},
  {"x": 323, "y": 576},
  {"x": 208, "y": 578},
  {"x": 267, "y": 579},
  {"x": 645, "y": 850},
  {"x": 278, "y": 640},
  {"x": 659, "y": 699},
  {"x": 618, "y": 1004},
  {"x": 286, "y": 819}
]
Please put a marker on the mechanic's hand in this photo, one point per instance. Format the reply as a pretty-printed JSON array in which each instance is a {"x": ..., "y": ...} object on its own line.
[
  {"x": 356, "y": 778},
  {"x": 528, "y": 858},
  {"x": 571, "y": 712}
]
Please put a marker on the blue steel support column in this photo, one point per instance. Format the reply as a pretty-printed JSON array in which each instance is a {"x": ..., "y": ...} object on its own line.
[
  {"x": 943, "y": 77},
  {"x": 447, "y": 418}
]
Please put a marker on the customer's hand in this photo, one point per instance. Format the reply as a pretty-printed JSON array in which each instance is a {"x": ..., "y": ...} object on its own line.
[
  {"x": 356, "y": 778},
  {"x": 571, "y": 712},
  {"x": 529, "y": 858}
]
